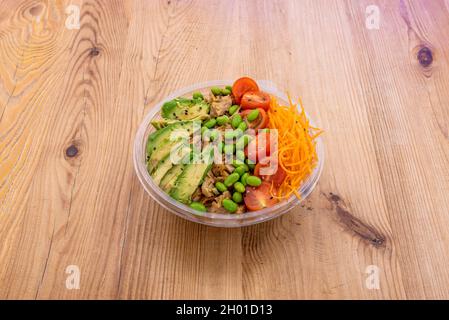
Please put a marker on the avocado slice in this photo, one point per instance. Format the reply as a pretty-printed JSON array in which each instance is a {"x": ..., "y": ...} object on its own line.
[
  {"x": 191, "y": 177},
  {"x": 182, "y": 153},
  {"x": 162, "y": 168},
  {"x": 161, "y": 142},
  {"x": 159, "y": 124},
  {"x": 169, "y": 179},
  {"x": 185, "y": 109},
  {"x": 157, "y": 138}
]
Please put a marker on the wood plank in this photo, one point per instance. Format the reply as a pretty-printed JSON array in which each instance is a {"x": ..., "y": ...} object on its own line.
[{"x": 72, "y": 100}]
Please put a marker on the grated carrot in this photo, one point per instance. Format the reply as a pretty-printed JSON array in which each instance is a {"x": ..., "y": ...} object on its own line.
[{"x": 296, "y": 146}]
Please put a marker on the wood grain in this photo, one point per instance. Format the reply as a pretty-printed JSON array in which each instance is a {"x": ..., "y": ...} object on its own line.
[{"x": 71, "y": 102}]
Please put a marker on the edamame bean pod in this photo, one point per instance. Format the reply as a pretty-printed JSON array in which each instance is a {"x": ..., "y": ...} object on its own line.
[
  {"x": 239, "y": 187},
  {"x": 240, "y": 155},
  {"x": 240, "y": 170},
  {"x": 242, "y": 126},
  {"x": 222, "y": 120},
  {"x": 220, "y": 187},
  {"x": 229, "y": 135},
  {"x": 215, "y": 91},
  {"x": 233, "y": 109},
  {"x": 253, "y": 115},
  {"x": 214, "y": 135},
  {"x": 228, "y": 149},
  {"x": 198, "y": 206},
  {"x": 250, "y": 164},
  {"x": 243, "y": 178},
  {"x": 229, "y": 205},
  {"x": 237, "y": 197},
  {"x": 210, "y": 123},
  {"x": 253, "y": 181},
  {"x": 242, "y": 142},
  {"x": 220, "y": 147},
  {"x": 225, "y": 92},
  {"x": 236, "y": 120},
  {"x": 231, "y": 179}
]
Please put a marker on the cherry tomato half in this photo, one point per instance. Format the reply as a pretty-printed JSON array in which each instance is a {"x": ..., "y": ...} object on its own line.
[
  {"x": 260, "y": 123},
  {"x": 258, "y": 198},
  {"x": 242, "y": 86},
  {"x": 259, "y": 146},
  {"x": 276, "y": 178},
  {"x": 255, "y": 99}
]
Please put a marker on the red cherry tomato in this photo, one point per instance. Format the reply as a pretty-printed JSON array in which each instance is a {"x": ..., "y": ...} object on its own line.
[
  {"x": 277, "y": 178},
  {"x": 255, "y": 99},
  {"x": 242, "y": 86},
  {"x": 260, "y": 123},
  {"x": 258, "y": 198},
  {"x": 260, "y": 145}
]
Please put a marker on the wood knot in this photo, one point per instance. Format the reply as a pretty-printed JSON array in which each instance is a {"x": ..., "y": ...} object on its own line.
[
  {"x": 425, "y": 57},
  {"x": 354, "y": 224},
  {"x": 71, "y": 151},
  {"x": 36, "y": 10},
  {"x": 94, "y": 52}
]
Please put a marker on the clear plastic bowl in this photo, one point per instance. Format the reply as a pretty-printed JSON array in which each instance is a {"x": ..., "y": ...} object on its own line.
[{"x": 208, "y": 218}]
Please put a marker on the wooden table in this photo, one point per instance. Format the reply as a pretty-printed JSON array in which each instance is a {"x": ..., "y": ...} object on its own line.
[{"x": 71, "y": 101}]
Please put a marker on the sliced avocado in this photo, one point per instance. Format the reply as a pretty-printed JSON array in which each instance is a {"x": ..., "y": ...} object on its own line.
[
  {"x": 185, "y": 109},
  {"x": 162, "y": 168},
  {"x": 163, "y": 152},
  {"x": 188, "y": 181},
  {"x": 160, "y": 143},
  {"x": 159, "y": 124},
  {"x": 168, "y": 181},
  {"x": 181, "y": 154}
]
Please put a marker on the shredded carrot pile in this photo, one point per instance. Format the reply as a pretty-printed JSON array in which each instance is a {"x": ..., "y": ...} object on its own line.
[{"x": 296, "y": 146}]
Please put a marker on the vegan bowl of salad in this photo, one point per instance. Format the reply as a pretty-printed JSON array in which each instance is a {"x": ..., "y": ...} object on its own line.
[{"x": 228, "y": 154}]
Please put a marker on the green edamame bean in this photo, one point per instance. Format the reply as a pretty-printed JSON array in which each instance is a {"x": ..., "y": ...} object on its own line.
[
  {"x": 222, "y": 120},
  {"x": 198, "y": 206},
  {"x": 231, "y": 179},
  {"x": 237, "y": 197},
  {"x": 203, "y": 130},
  {"x": 253, "y": 181},
  {"x": 229, "y": 205},
  {"x": 228, "y": 149},
  {"x": 242, "y": 126},
  {"x": 239, "y": 187},
  {"x": 238, "y": 133},
  {"x": 210, "y": 123},
  {"x": 215, "y": 91},
  {"x": 214, "y": 135},
  {"x": 242, "y": 142},
  {"x": 253, "y": 115},
  {"x": 243, "y": 178},
  {"x": 226, "y": 92},
  {"x": 236, "y": 120},
  {"x": 197, "y": 95},
  {"x": 240, "y": 170},
  {"x": 240, "y": 155},
  {"x": 250, "y": 164},
  {"x": 205, "y": 134},
  {"x": 221, "y": 147},
  {"x": 229, "y": 135},
  {"x": 236, "y": 163},
  {"x": 233, "y": 109},
  {"x": 220, "y": 187}
]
